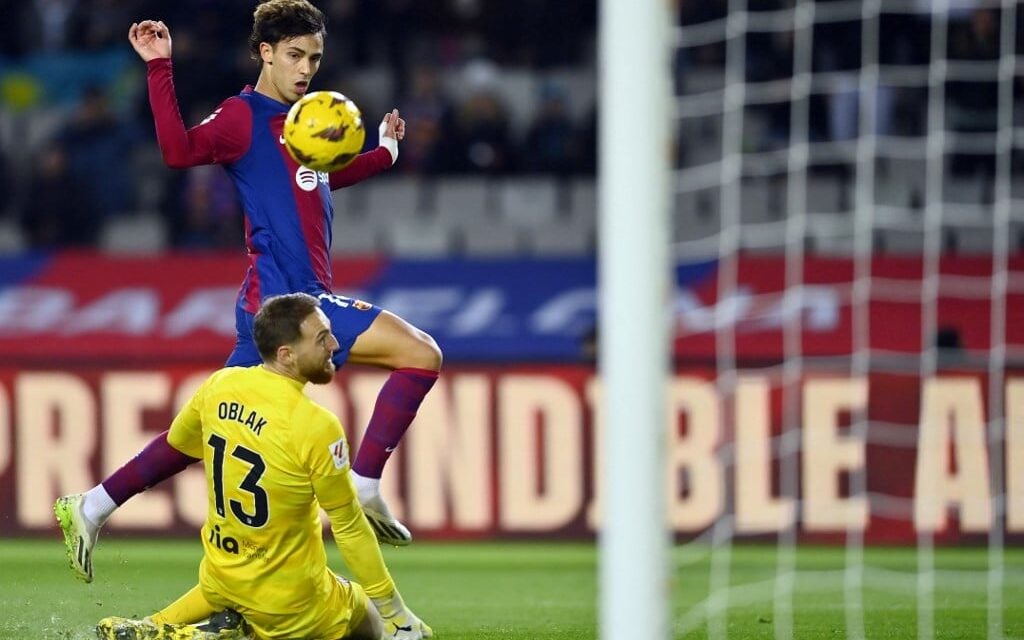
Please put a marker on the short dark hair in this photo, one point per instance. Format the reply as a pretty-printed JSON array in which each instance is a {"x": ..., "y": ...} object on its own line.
[
  {"x": 279, "y": 320},
  {"x": 277, "y": 20}
]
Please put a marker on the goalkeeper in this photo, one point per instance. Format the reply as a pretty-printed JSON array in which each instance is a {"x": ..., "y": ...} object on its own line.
[{"x": 272, "y": 457}]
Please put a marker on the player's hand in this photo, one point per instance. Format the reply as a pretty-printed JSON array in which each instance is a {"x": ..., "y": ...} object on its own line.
[
  {"x": 391, "y": 130},
  {"x": 406, "y": 627},
  {"x": 399, "y": 622},
  {"x": 151, "y": 39},
  {"x": 392, "y": 126}
]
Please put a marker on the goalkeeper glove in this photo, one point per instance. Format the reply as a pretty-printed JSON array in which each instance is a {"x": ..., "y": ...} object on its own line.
[{"x": 399, "y": 622}]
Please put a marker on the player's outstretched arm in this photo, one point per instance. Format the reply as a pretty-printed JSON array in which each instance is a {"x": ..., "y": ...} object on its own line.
[
  {"x": 370, "y": 163},
  {"x": 223, "y": 137},
  {"x": 151, "y": 39}
]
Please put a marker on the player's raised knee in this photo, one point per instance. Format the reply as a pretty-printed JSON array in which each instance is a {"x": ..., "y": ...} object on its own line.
[{"x": 426, "y": 355}]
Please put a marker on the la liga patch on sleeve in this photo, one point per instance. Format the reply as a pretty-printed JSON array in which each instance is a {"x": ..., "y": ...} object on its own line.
[{"x": 339, "y": 453}]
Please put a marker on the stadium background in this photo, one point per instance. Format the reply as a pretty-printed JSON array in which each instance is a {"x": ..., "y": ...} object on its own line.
[{"x": 118, "y": 275}]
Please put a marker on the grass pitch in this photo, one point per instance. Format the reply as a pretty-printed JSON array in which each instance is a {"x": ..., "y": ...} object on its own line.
[{"x": 545, "y": 591}]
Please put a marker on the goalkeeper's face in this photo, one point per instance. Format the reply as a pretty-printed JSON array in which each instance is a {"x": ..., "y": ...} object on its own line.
[
  {"x": 314, "y": 349},
  {"x": 290, "y": 65}
]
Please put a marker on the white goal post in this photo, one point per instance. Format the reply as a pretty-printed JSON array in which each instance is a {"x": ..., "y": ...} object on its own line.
[{"x": 634, "y": 289}]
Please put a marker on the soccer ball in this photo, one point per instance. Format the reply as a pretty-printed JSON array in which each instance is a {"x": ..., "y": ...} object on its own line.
[{"x": 324, "y": 131}]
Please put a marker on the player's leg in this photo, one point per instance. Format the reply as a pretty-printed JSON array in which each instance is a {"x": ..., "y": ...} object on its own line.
[
  {"x": 414, "y": 360},
  {"x": 81, "y": 515},
  {"x": 190, "y": 617},
  {"x": 370, "y": 336},
  {"x": 115, "y": 628},
  {"x": 188, "y": 609}
]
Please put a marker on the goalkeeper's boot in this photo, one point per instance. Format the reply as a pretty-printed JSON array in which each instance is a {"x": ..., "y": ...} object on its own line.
[
  {"x": 115, "y": 628},
  {"x": 387, "y": 527},
  {"x": 79, "y": 534},
  {"x": 226, "y": 625}
]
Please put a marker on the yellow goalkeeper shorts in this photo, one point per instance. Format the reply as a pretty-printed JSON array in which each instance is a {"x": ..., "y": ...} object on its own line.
[{"x": 336, "y": 616}]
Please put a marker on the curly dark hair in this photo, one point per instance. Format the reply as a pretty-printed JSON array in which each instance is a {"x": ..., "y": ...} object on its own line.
[{"x": 277, "y": 20}]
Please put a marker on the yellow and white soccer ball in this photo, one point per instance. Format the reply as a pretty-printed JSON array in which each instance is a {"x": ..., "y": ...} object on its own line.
[{"x": 324, "y": 131}]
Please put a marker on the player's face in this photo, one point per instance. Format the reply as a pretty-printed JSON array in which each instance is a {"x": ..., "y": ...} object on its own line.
[
  {"x": 314, "y": 349},
  {"x": 290, "y": 65}
]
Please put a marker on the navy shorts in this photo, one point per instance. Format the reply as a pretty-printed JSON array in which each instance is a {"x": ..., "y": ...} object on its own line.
[{"x": 349, "y": 318}]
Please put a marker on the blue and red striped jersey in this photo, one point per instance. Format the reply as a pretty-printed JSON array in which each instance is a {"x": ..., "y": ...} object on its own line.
[{"x": 288, "y": 208}]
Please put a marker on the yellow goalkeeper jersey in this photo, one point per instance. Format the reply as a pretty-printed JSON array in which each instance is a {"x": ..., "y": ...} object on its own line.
[{"x": 272, "y": 456}]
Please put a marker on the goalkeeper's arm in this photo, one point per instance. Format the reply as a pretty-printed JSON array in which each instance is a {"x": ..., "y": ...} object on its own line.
[{"x": 359, "y": 549}]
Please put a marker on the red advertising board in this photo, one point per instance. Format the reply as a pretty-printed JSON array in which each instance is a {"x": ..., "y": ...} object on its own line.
[
  {"x": 179, "y": 307},
  {"x": 817, "y": 296},
  {"x": 515, "y": 451}
]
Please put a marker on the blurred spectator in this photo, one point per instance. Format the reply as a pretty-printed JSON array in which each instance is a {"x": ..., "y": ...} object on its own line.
[
  {"x": 587, "y": 137},
  {"x": 6, "y": 188},
  {"x": 45, "y": 25},
  {"x": 210, "y": 217},
  {"x": 429, "y": 115},
  {"x": 201, "y": 204},
  {"x": 552, "y": 144},
  {"x": 711, "y": 54},
  {"x": 100, "y": 147},
  {"x": 104, "y": 24},
  {"x": 769, "y": 57},
  {"x": 537, "y": 33},
  {"x": 907, "y": 38},
  {"x": 483, "y": 141},
  {"x": 347, "y": 36},
  {"x": 396, "y": 27},
  {"x": 60, "y": 211},
  {"x": 974, "y": 105},
  {"x": 700, "y": 11}
]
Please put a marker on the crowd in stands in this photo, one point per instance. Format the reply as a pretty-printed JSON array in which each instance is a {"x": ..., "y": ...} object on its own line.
[
  {"x": 443, "y": 63},
  {"x": 916, "y": 92},
  {"x": 489, "y": 88},
  {"x": 904, "y": 41}
]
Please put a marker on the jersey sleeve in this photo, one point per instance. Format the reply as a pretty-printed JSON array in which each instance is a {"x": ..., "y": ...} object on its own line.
[
  {"x": 186, "y": 432},
  {"x": 222, "y": 138},
  {"x": 327, "y": 459},
  {"x": 365, "y": 165}
]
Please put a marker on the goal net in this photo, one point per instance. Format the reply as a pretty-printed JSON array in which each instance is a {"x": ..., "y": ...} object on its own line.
[{"x": 847, "y": 171}]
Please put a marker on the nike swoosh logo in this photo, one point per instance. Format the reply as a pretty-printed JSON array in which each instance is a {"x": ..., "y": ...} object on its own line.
[
  {"x": 282, "y": 139},
  {"x": 406, "y": 628}
]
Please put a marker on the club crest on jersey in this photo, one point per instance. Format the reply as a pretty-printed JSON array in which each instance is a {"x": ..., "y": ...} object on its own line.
[
  {"x": 308, "y": 180},
  {"x": 339, "y": 453}
]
